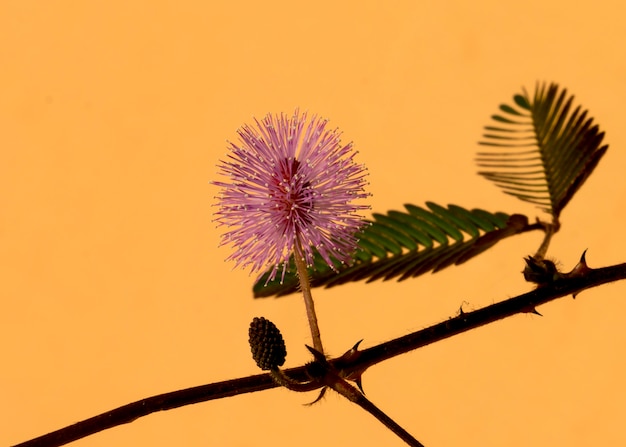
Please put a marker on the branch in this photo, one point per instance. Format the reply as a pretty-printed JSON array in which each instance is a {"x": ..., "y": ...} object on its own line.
[
  {"x": 351, "y": 366},
  {"x": 525, "y": 303}
]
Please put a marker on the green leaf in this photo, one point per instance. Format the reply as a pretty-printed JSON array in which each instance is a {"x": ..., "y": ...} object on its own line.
[
  {"x": 543, "y": 149},
  {"x": 405, "y": 244}
]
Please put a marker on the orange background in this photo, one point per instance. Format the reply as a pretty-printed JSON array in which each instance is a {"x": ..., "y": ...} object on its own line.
[{"x": 112, "y": 118}]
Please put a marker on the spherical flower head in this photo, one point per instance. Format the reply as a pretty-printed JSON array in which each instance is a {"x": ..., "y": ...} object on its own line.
[{"x": 290, "y": 185}]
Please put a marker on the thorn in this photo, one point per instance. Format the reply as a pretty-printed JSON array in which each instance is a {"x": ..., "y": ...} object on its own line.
[
  {"x": 346, "y": 359},
  {"x": 531, "y": 310},
  {"x": 356, "y": 346},
  {"x": 351, "y": 353},
  {"x": 461, "y": 311},
  {"x": 359, "y": 384},
  {"x": 581, "y": 268},
  {"x": 318, "y": 355},
  {"x": 319, "y": 397}
]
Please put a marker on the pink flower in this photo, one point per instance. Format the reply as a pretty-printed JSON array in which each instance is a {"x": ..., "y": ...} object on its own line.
[{"x": 290, "y": 183}]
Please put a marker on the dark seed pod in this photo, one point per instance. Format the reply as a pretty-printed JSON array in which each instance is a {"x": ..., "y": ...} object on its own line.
[{"x": 267, "y": 344}]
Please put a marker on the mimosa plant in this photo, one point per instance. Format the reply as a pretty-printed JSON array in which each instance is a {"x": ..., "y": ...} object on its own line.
[{"x": 290, "y": 200}]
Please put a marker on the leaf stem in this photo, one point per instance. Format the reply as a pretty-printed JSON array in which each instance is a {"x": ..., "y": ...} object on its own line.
[{"x": 550, "y": 230}]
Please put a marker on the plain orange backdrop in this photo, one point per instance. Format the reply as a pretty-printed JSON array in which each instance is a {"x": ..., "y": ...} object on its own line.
[{"x": 112, "y": 118}]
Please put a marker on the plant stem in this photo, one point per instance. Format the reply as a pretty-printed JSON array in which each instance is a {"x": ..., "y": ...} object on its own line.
[
  {"x": 369, "y": 406},
  {"x": 326, "y": 374},
  {"x": 354, "y": 395},
  {"x": 550, "y": 229},
  {"x": 282, "y": 379},
  {"x": 305, "y": 285},
  {"x": 356, "y": 364}
]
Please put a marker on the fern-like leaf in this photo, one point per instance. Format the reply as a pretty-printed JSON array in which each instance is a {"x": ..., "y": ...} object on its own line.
[
  {"x": 543, "y": 151},
  {"x": 405, "y": 244}
]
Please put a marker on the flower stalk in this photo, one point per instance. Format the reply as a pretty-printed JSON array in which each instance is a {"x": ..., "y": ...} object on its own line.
[{"x": 305, "y": 286}]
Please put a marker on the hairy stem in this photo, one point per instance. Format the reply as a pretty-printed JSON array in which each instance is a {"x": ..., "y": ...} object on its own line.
[
  {"x": 356, "y": 364},
  {"x": 471, "y": 320},
  {"x": 354, "y": 395},
  {"x": 282, "y": 379},
  {"x": 305, "y": 286},
  {"x": 369, "y": 406},
  {"x": 550, "y": 230},
  {"x": 327, "y": 374}
]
